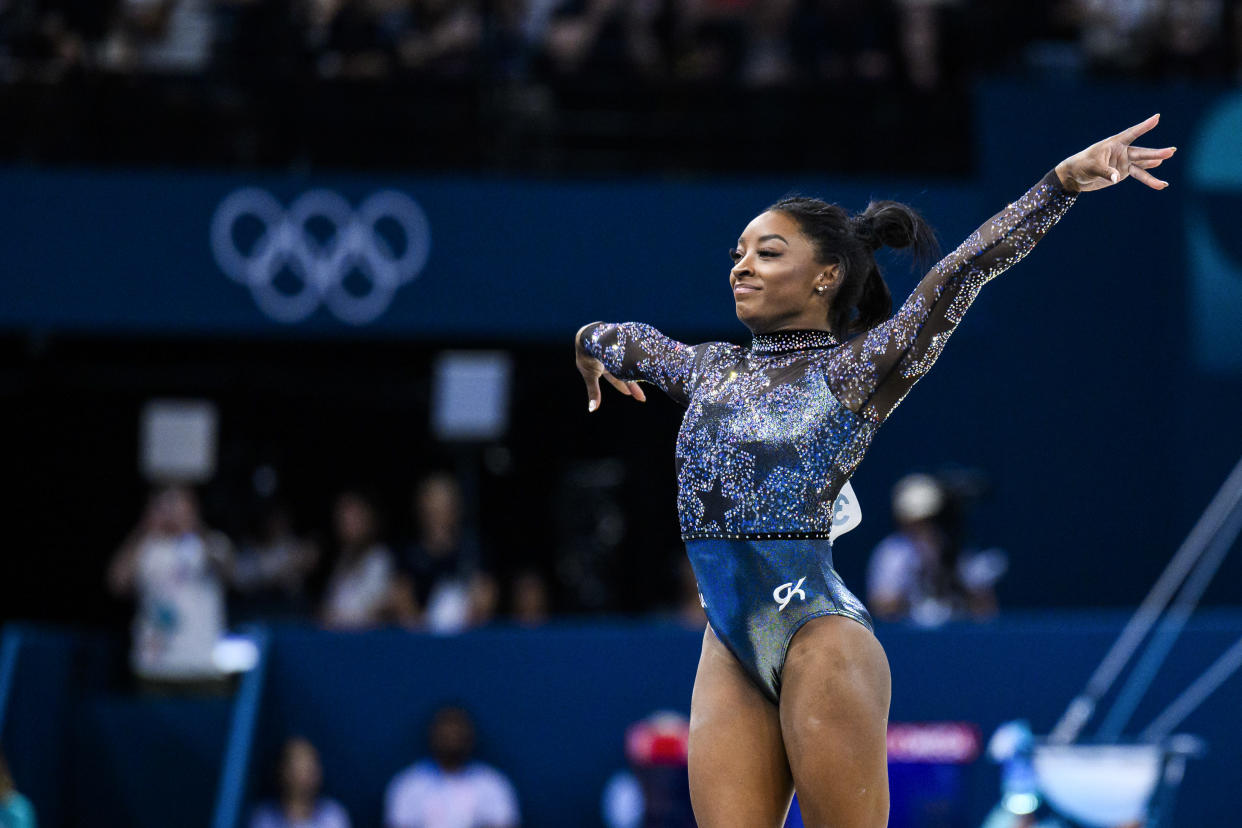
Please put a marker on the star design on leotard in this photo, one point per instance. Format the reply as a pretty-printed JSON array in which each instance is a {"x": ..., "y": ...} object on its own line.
[{"x": 715, "y": 502}]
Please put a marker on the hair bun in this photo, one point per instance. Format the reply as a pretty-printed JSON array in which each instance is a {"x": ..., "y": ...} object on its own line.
[{"x": 864, "y": 230}]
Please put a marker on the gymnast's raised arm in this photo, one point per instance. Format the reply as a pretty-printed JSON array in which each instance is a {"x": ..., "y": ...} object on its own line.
[{"x": 876, "y": 369}]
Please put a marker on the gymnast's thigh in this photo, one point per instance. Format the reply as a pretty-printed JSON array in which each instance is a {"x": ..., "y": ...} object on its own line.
[
  {"x": 835, "y": 692},
  {"x": 738, "y": 772}
]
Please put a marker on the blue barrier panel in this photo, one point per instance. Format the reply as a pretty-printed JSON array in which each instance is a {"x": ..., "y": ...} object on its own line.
[
  {"x": 148, "y": 762},
  {"x": 552, "y": 706},
  {"x": 45, "y": 673}
]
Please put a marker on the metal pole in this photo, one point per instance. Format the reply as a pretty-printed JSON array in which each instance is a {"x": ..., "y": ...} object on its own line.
[
  {"x": 1145, "y": 671},
  {"x": 1194, "y": 695},
  {"x": 1149, "y": 611}
]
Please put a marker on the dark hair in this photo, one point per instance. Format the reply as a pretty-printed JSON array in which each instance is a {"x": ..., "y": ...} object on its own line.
[{"x": 863, "y": 300}]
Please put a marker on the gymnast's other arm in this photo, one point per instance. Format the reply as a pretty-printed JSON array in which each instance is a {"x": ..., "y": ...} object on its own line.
[
  {"x": 877, "y": 368},
  {"x": 629, "y": 352}
]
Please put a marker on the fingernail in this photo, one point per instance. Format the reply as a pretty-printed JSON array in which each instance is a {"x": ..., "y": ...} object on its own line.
[
  {"x": 591, "y": 406},
  {"x": 1115, "y": 177}
]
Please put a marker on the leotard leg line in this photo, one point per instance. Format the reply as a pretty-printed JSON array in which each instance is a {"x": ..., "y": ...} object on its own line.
[{"x": 759, "y": 593}]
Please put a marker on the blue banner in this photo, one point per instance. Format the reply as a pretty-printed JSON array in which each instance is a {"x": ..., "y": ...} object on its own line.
[{"x": 428, "y": 257}]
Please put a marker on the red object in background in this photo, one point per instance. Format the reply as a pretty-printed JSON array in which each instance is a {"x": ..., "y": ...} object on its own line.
[
  {"x": 941, "y": 743},
  {"x": 660, "y": 739}
]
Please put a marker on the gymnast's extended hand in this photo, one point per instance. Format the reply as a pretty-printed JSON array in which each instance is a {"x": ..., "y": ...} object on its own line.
[
  {"x": 592, "y": 369},
  {"x": 1112, "y": 160}
]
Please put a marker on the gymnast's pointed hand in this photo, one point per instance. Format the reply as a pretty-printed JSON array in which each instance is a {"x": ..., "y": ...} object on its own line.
[
  {"x": 1112, "y": 160},
  {"x": 592, "y": 369}
]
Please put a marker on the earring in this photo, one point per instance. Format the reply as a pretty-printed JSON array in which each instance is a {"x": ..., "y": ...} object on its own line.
[{"x": 820, "y": 290}]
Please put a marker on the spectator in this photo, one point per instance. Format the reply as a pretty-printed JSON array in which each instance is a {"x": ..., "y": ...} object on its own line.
[
  {"x": 849, "y": 40},
  {"x": 1194, "y": 39},
  {"x": 734, "y": 39},
  {"x": 50, "y": 39},
  {"x": 259, "y": 38},
  {"x": 529, "y": 594},
  {"x": 300, "y": 805},
  {"x": 603, "y": 38},
  {"x": 443, "y": 573},
  {"x": 360, "y": 589},
  {"x": 271, "y": 571},
  {"x": 15, "y": 809},
  {"x": 176, "y": 567},
  {"x": 918, "y": 572},
  {"x": 1119, "y": 36},
  {"x": 162, "y": 36},
  {"x": 357, "y": 38},
  {"x": 444, "y": 37},
  {"x": 449, "y": 790}
]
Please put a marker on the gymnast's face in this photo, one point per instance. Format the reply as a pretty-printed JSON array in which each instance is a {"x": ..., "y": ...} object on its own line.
[{"x": 775, "y": 275}]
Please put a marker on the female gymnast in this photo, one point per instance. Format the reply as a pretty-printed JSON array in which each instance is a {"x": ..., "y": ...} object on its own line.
[{"x": 793, "y": 688}]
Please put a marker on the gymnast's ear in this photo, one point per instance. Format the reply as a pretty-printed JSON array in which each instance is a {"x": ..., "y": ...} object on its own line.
[{"x": 828, "y": 280}]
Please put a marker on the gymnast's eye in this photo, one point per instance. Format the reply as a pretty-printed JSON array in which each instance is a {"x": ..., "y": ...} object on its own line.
[
  {"x": 769, "y": 254},
  {"x": 735, "y": 255}
]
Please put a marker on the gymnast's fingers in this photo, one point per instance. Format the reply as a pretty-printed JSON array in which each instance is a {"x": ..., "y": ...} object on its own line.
[
  {"x": 1100, "y": 168},
  {"x": 617, "y": 384},
  {"x": 636, "y": 392},
  {"x": 1147, "y": 178},
  {"x": 1128, "y": 136},
  {"x": 593, "y": 393},
  {"x": 1147, "y": 153}
]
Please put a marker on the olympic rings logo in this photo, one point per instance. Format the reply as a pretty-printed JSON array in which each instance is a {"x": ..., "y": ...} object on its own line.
[{"x": 354, "y": 270}]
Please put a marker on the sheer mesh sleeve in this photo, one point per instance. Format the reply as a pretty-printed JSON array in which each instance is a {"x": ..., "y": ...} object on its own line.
[
  {"x": 873, "y": 372},
  {"x": 634, "y": 351}
]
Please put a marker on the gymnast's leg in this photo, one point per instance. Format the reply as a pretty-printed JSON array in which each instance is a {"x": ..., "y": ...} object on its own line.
[
  {"x": 739, "y": 777},
  {"x": 835, "y": 692}
]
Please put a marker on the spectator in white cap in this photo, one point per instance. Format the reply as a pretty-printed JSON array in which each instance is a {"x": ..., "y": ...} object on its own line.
[{"x": 918, "y": 572}]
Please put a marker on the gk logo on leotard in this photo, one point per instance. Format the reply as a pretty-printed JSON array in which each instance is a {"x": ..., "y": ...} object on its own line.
[
  {"x": 321, "y": 251},
  {"x": 785, "y": 593}
]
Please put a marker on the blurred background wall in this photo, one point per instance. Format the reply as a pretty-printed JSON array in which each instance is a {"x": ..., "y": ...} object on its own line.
[{"x": 1096, "y": 400}]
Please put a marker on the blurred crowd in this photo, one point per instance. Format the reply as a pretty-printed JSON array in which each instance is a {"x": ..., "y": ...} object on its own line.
[
  {"x": 920, "y": 43},
  {"x": 449, "y": 788},
  {"x": 190, "y": 582}
]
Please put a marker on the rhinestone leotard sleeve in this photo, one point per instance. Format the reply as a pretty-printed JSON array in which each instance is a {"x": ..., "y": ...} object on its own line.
[
  {"x": 873, "y": 372},
  {"x": 635, "y": 351}
]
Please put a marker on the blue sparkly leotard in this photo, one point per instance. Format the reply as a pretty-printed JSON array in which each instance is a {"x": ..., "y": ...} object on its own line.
[{"x": 772, "y": 432}]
